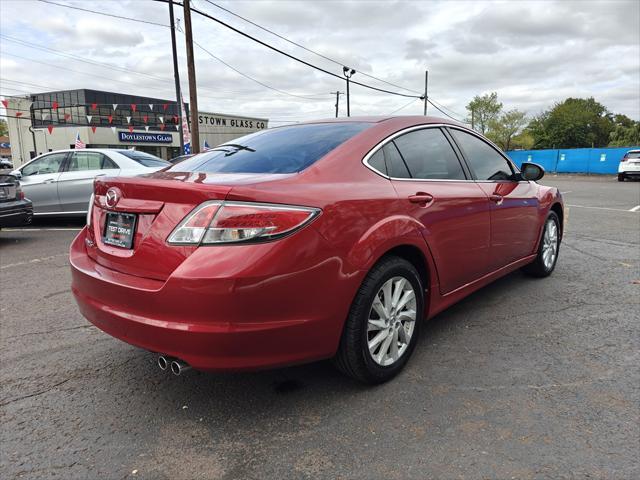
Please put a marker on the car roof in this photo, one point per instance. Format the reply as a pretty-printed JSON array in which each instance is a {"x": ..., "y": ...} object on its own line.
[{"x": 633, "y": 151}]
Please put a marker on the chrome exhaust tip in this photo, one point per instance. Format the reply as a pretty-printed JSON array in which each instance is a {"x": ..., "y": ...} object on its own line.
[
  {"x": 178, "y": 366},
  {"x": 164, "y": 362}
]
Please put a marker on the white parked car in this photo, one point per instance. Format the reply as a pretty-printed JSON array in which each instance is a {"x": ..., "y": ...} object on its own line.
[
  {"x": 61, "y": 182},
  {"x": 629, "y": 165}
]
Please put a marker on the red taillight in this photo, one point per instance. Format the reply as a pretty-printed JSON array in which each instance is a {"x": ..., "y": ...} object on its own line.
[
  {"x": 20, "y": 194},
  {"x": 231, "y": 222},
  {"x": 625, "y": 158}
]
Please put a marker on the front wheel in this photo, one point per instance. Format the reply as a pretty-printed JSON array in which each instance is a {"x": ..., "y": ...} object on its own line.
[
  {"x": 383, "y": 324},
  {"x": 545, "y": 261}
]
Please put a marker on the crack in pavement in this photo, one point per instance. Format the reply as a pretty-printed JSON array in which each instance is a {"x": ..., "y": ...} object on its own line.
[
  {"x": 48, "y": 389},
  {"x": 35, "y": 260},
  {"x": 48, "y": 331}
]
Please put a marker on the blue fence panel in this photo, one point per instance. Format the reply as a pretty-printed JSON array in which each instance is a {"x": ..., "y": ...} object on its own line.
[
  {"x": 573, "y": 160},
  {"x": 545, "y": 158},
  {"x": 605, "y": 160}
]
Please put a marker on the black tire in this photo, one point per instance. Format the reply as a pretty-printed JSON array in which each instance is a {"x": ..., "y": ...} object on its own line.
[
  {"x": 353, "y": 357},
  {"x": 621, "y": 177},
  {"x": 537, "y": 268}
]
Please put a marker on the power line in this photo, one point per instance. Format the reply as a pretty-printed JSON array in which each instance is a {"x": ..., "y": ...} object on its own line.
[
  {"x": 246, "y": 75},
  {"x": 403, "y": 107},
  {"x": 299, "y": 60},
  {"x": 305, "y": 48},
  {"x": 447, "y": 108},
  {"x": 73, "y": 7},
  {"x": 445, "y": 113}
]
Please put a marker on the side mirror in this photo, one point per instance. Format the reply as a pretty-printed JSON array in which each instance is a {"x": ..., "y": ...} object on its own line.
[
  {"x": 531, "y": 172},
  {"x": 17, "y": 174}
]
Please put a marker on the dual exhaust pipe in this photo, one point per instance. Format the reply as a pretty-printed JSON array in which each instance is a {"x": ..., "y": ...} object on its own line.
[{"x": 176, "y": 365}]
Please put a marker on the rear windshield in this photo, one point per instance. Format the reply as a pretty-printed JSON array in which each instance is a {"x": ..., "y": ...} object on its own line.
[
  {"x": 145, "y": 159},
  {"x": 633, "y": 155},
  {"x": 280, "y": 150}
]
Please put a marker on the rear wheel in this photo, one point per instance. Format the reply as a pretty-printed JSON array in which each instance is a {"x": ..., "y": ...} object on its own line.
[
  {"x": 545, "y": 261},
  {"x": 621, "y": 177},
  {"x": 383, "y": 324}
]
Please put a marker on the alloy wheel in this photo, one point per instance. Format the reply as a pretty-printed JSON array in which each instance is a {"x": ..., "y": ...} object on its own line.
[
  {"x": 550, "y": 244},
  {"x": 391, "y": 321}
]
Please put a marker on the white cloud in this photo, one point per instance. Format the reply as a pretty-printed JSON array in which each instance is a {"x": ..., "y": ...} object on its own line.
[{"x": 532, "y": 53}]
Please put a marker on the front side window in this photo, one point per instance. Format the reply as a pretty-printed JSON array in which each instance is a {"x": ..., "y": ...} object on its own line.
[
  {"x": 484, "y": 160},
  {"x": 279, "y": 150},
  {"x": 47, "y": 164},
  {"x": 429, "y": 156},
  {"x": 89, "y": 161}
]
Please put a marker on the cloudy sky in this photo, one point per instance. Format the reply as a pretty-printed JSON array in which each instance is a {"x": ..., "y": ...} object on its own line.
[{"x": 532, "y": 53}]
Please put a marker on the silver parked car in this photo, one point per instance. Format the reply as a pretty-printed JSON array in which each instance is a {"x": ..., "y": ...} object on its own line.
[{"x": 61, "y": 182}]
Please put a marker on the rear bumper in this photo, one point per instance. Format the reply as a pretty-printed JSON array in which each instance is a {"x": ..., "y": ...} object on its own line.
[
  {"x": 629, "y": 168},
  {"x": 16, "y": 214},
  {"x": 224, "y": 318}
]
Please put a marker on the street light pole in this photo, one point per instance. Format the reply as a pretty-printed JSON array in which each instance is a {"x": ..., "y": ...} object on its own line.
[
  {"x": 348, "y": 73},
  {"x": 191, "y": 70},
  {"x": 338, "y": 93},
  {"x": 426, "y": 94},
  {"x": 176, "y": 74}
]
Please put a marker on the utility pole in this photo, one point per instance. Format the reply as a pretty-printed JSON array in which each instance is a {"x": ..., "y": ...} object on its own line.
[
  {"x": 191, "y": 69},
  {"x": 426, "y": 94},
  {"x": 348, "y": 73},
  {"x": 176, "y": 74},
  {"x": 338, "y": 93}
]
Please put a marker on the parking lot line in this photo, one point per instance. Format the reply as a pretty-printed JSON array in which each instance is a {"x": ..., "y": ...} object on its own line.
[{"x": 635, "y": 209}]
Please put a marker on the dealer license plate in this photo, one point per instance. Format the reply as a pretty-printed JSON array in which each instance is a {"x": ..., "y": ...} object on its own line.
[{"x": 120, "y": 229}]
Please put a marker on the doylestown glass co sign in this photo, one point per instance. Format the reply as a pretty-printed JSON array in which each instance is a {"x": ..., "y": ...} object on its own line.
[{"x": 137, "y": 137}]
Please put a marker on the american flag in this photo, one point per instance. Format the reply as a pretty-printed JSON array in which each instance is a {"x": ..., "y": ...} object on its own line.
[
  {"x": 187, "y": 148},
  {"x": 205, "y": 146},
  {"x": 79, "y": 143}
]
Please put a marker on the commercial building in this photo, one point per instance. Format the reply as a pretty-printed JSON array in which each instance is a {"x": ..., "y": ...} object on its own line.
[{"x": 43, "y": 122}]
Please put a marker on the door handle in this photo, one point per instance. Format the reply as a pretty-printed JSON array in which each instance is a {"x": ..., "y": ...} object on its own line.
[
  {"x": 421, "y": 197},
  {"x": 48, "y": 180},
  {"x": 496, "y": 198}
]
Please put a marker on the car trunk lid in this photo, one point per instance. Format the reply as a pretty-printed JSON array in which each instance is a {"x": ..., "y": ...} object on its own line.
[{"x": 159, "y": 202}]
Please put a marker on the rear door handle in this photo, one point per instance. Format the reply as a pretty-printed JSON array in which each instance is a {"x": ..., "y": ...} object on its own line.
[
  {"x": 421, "y": 197},
  {"x": 496, "y": 198},
  {"x": 49, "y": 180}
]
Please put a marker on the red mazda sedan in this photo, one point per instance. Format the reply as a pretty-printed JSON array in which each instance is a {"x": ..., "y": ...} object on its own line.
[{"x": 331, "y": 239}]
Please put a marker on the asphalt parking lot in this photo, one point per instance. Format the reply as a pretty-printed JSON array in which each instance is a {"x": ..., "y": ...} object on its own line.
[{"x": 526, "y": 378}]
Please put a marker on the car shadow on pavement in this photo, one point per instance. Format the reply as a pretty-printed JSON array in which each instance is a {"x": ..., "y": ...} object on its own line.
[{"x": 253, "y": 395}]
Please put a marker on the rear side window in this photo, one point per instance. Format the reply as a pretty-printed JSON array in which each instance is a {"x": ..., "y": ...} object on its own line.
[
  {"x": 484, "y": 160},
  {"x": 89, "y": 161},
  {"x": 429, "y": 156},
  {"x": 144, "y": 159},
  {"x": 377, "y": 162},
  {"x": 395, "y": 164},
  {"x": 279, "y": 150}
]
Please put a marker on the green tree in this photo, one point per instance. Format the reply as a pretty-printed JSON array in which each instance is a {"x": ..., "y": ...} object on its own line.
[
  {"x": 482, "y": 110},
  {"x": 625, "y": 136},
  {"x": 505, "y": 127},
  {"x": 574, "y": 123},
  {"x": 4, "y": 130}
]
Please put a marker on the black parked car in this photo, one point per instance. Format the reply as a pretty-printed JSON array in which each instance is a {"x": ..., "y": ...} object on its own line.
[{"x": 15, "y": 210}]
